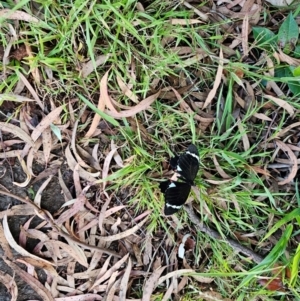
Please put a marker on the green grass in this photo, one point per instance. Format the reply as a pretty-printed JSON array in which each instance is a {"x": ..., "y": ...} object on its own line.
[{"x": 140, "y": 45}]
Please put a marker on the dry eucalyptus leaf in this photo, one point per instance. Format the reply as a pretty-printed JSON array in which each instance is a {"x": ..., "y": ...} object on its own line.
[
  {"x": 10, "y": 285},
  {"x": 15, "y": 246},
  {"x": 45, "y": 123},
  {"x": 280, "y": 3},
  {"x": 151, "y": 283},
  {"x": 27, "y": 172},
  {"x": 32, "y": 281},
  {"x": 15, "y": 130}
]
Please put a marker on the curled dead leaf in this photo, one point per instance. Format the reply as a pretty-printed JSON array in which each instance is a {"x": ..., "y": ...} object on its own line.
[
  {"x": 15, "y": 130},
  {"x": 124, "y": 233},
  {"x": 15, "y": 246},
  {"x": 217, "y": 82},
  {"x": 141, "y": 106},
  {"x": 27, "y": 172}
]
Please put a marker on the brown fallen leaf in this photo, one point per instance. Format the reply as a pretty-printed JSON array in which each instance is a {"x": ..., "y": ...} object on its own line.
[
  {"x": 4, "y": 243},
  {"x": 23, "y": 234},
  {"x": 170, "y": 290},
  {"x": 15, "y": 130},
  {"x": 15, "y": 97},
  {"x": 38, "y": 195},
  {"x": 81, "y": 297},
  {"x": 92, "y": 160},
  {"x": 217, "y": 81},
  {"x": 32, "y": 155},
  {"x": 67, "y": 194},
  {"x": 287, "y": 129},
  {"x": 282, "y": 103},
  {"x": 45, "y": 123},
  {"x": 262, "y": 117},
  {"x": 294, "y": 162},
  {"x": 151, "y": 284},
  {"x": 90, "y": 177},
  {"x": 113, "y": 288},
  {"x": 220, "y": 170},
  {"x": 243, "y": 133},
  {"x": 141, "y": 106},
  {"x": 73, "y": 250},
  {"x": 22, "y": 209},
  {"x": 126, "y": 90},
  {"x": 122, "y": 234},
  {"x": 124, "y": 281},
  {"x": 31, "y": 90},
  {"x": 179, "y": 273},
  {"x": 30, "y": 280},
  {"x": 77, "y": 206},
  {"x": 272, "y": 284},
  {"x": 34, "y": 70},
  {"x": 109, "y": 272},
  {"x": 10, "y": 284},
  {"x": 259, "y": 170},
  {"x": 245, "y": 34},
  {"x": 48, "y": 172},
  {"x": 90, "y": 66},
  {"x": 26, "y": 171},
  {"x": 47, "y": 143},
  {"x": 74, "y": 147},
  {"x": 106, "y": 166},
  {"x": 10, "y": 154},
  {"x": 15, "y": 246},
  {"x": 17, "y": 15},
  {"x": 174, "y": 21},
  {"x": 117, "y": 157},
  {"x": 215, "y": 182},
  {"x": 101, "y": 105}
]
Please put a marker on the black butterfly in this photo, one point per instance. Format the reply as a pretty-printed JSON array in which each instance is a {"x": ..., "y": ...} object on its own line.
[{"x": 176, "y": 193}]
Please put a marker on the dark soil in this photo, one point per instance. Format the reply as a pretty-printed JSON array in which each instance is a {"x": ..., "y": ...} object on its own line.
[{"x": 52, "y": 199}]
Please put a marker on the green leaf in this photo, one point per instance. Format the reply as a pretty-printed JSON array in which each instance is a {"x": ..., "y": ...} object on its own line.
[
  {"x": 56, "y": 131},
  {"x": 295, "y": 88},
  {"x": 288, "y": 34},
  {"x": 264, "y": 37},
  {"x": 295, "y": 267},
  {"x": 287, "y": 218},
  {"x": 296, "y": 71},
  {"x": 297, "y": 52},
  {"x": 289, "y": 72},
  {"x": 272, "y": 257}
]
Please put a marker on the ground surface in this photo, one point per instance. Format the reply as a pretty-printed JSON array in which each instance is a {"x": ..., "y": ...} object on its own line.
[{"x": 96, "y": 98}]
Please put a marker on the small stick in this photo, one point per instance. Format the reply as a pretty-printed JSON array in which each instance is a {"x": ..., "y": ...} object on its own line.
[{"x": 214, "y": 234}]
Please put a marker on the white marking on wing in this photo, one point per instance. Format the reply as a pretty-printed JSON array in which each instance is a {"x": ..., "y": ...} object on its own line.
[
  {"x": 193, "y": 155},
  {"x": 178, "y": 168},
  {"x": 172, "y": 185},
  {"x": 173, "y": 206}
]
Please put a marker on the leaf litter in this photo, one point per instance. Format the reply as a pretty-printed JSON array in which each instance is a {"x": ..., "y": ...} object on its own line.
[{"x": 84, "y": 238}]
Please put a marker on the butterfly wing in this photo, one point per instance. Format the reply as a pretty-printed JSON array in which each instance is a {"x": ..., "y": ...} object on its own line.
[
  {"x": 176, "y": 194},
  {"x": 174, "y": 162},
  {"x": 188, "y": 164}
]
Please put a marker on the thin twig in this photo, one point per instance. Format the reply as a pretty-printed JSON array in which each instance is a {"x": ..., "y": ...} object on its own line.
[{"x": 214, "y": 234}]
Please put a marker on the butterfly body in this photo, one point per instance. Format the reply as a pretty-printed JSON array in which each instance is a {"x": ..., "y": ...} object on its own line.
[{"x": 186, "y": 167}]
